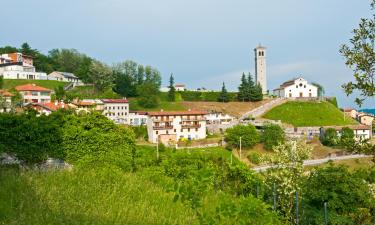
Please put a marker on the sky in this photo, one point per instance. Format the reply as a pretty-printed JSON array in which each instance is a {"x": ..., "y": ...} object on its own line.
[{"x": 202, "y": 42}]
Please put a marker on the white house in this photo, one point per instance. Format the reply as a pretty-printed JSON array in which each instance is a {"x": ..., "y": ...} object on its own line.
[
  {"x": 296, "y": 88},
  {"x": 19, "y": 66},
  {"x": 361, "y": 132},
  {"x": 6, "y": 99},
  {"x": 48, "y": 107},
  {"x": 218, "y": 118},
  {"x": 63, "y": 76},
  {"x": 116, "y": 110},
  {"x": 168, "y": 127},
  {"x": 137, "y": 118},
  {"x": 180, "y": 87},
  {"x": 365, "y": 119},
  {"x": 34, "y": 93},
  {"x": 350, "y": 112}
]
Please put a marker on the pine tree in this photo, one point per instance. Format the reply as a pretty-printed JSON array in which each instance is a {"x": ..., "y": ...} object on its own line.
[
  {"x": 223, "y": 97},
  {"x": 258, "y": 93},
  {"x": 250, "y": 93},
  {"x": 172, "y": 90},
  {"x": 242, "y": 89}
]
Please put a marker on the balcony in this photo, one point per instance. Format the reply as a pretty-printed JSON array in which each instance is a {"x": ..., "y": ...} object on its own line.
[
  {"x": 162, "y": 120},
  {"x": 166, "y": 127},
  {"x": 191, "y": 126}
]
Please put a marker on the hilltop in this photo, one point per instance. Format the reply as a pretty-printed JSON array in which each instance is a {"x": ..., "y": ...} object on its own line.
[{"x": 308, "y": 114}]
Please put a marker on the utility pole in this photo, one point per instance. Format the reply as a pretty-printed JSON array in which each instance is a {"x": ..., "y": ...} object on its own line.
[
  {"x": 325, "y": 213},
  {"x": 240, "y": 147}
]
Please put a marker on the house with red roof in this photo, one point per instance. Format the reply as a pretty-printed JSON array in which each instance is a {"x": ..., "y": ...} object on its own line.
[
  {"x": 169, "y": 127},
  {"x": 116, "y": 110},
  {"x": 48, "y": 107},
  {"x": 34, "y": 93}
]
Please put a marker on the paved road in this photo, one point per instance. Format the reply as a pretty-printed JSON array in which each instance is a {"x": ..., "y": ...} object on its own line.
[{"x": 316, "y": 161}]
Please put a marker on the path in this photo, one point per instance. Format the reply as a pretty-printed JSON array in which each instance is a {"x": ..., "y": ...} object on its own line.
[
  {"x": 257, "y": 112},
  {"x": 316, "y": 161}
]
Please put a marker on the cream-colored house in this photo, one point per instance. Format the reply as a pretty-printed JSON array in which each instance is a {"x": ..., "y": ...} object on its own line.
[
  {"x": 34, "y": 93},
  {"x": 167, "y": 127},
  {"x": 365, "y": 119},
  {"x": 64, "y": 76},
  {"x": 350, "y": 113}
]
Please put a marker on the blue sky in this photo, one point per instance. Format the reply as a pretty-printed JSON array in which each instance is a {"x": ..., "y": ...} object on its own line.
[{"x": 203, "y": 42}]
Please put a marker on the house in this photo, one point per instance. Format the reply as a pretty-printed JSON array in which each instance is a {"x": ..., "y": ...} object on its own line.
[
  {"x": 5, "y": 101},
  {"x": 180, "y": 87},
  {"x": 361, "y": 132},
  {"x": 296, "y": 88},
  {"x": 137, "y": 118},
  {"x": 19, "y": 66},
  {"x": 116, "y": 110},
  {"x": 168, "y": 127},
  {"x": 350, "y": 112},
  {"x": 218, "y": 118},
  {"x": 34, "y": 93},
  {"x": 365, "y": 119},
  {"x": 86, "y": 106},
  {"x": 48, "y": 107},
  {"x": 63, "y": 76}
]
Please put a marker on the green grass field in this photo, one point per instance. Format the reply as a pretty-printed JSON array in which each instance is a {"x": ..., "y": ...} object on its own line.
[
  {"x": 88, "y": 92},
  {"x": 165, "y": 105},
  {"x": 10, "y": 84},
  {"x": 308, "y": 114}
]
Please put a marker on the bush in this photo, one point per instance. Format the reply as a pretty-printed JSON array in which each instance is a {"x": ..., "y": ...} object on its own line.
[
  {"x": 248, "y": 133},
  {"x": 254, "y": 157},
  {"x": 272, "y": 135},
  {"x": 347, "y": 137},
  {"x": 140, "y": 132},
  {"x": 205, "y": 96},
  {"x": 330, "y": 137}
]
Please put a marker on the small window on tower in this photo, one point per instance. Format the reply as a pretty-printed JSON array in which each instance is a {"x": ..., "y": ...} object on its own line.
[{"x": 260, "y": 53}]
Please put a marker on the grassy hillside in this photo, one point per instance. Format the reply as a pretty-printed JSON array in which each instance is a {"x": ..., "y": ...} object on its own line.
[
  {"x": 308, "y": 114},
  {"x": 51, "y": 84},
  {"x": 88, "y": 92}
]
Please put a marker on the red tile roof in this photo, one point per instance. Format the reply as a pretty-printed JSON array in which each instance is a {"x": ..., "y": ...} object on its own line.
[
  {"x": 115, "y": 100},
  {"x": 353, "y": 127},
  {"x": 55, "y": 106},
  {"x": 176, "y": 113},
  {"x": 348, "y": 110},
  {"x": 82, "y": 103},
  {"x": 31, "y": 87},
  {"x": 5, "y": 93}
]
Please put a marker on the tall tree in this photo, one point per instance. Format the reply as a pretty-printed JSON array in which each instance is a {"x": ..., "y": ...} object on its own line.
[
  {"x": 258, "y": 93},
  {"x": 242, "y": 89},
  {"x": 26, "y": 49},
  {"x": 250, "y": 89},
  {"x": 101, "y": 75},
  {"x": 172, "y": 89},
  {"x": 1, "y": 82},
  {"x": 125, "y": 78},
  {"x": 223, "y": 97},
  {"x": 360, "y": 57}
]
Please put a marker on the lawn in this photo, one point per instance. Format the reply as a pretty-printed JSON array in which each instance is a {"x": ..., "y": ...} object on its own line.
[
  {"x": 10, "y": 84},
  {"x": 164, "y": 105},
  {"x": 300, "y": 114}
]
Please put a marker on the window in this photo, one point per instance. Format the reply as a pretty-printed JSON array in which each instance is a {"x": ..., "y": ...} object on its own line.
[
  {"x": 304, "y": 86},
  {"x": 174, "y": 130},
  {"x": 196, "y": 129},
  {"x": 300, "y": 84},
  {"x": 166, "y": 132},
  {"x": 296, "y": 86},
  {"x": 157, "y": 132},
  {"x": 182, "y": 130},
  {"x": 188, "y": 129}
]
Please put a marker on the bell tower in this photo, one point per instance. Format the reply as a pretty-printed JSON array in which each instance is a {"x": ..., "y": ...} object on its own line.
[{"x": 260, "y": 67}]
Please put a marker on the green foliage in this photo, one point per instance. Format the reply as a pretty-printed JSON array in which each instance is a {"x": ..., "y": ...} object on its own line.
[
  {"x": 172, "y": 90},
  {"x": 302, "y": 114},
  {"x": 223, "y": 97},
  {"x": 254, "y": 157},
  {"x": 1, "y": 82},
  {"x": 101, "y": 75},
  {"x": 347, "y": 195},
  {"x": 347, "y": 137},
  {"x": 272, "y": 135},
  {"x": 60, "y": 93},
  {"x": 148, "y": 95},
  {"x": 360, "y": 57},
  {"x": 333, "y": 101},
  {"x": 211, "y": 96},
  {"x": 248, "y": 90},
  {"x": 140, "y": 132},
  {"x": 249, "y": 136},
  {"x": 330, "y": 137}
]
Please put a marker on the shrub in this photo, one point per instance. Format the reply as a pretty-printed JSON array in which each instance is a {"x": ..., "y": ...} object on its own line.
[
  {"x": 254, "y": 157},
  {"x": 272, "y": 135},
  {"x": 249, "y": 136},
  {"x": 330, "y": 137},
  {"x": 347, "y": 137}
]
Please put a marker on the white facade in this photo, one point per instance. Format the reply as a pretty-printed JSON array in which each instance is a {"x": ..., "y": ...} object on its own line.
[
  {"x": 296, "y": 88},
  {"x": 361, "y": 132},
  {"x": 365, "y": 119},
  {"x": 34, "y": 93},
  {"x": 21, "y": 72},
  {"x": 260, "y": 67},
  {"x": 63, "y": 76},
  {"x": 116, "y": 110},
  {"x": 169, "y": 127},
  {"x": 219, "y": 118},
  {"x": 180, "y": 87},
  {"x": 137, "y": 118}
]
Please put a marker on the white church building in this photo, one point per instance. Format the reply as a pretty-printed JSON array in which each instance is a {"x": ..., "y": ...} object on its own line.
[{"x": 296, "y": 88}]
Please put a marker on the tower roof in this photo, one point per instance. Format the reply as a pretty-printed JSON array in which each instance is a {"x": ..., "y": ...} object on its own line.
[{"x": 260, "y": 47}]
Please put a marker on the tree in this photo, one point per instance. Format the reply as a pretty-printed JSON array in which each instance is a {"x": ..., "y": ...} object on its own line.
[
  {"x": 248, "y": 134},
  {"x": 60, "y": 93},
  {"x": 347, "y": 137},
  {"x": 125, "y": 78},
  {"x": 101, "y": 75},
  {"x": 26, "y": 49},
  {"x": 1, "y": 82},
  {"x": 172, "y": 90},
  {"x": 321, "y": 90},
  {"x": 257, "y": 94},
  {"x": 272, "y": 136},
  {"x": 223, "y": 97},
  {"x": 148, "y": 93},
  {"x": 250, "y": 89},
  {"x": 360, "y": 57},
  {"x": 287, "y": 174},
  {"x": 242, "y": 89},
  {"x": 347, "y": 194},
  {"x": 330, "y": 137}
]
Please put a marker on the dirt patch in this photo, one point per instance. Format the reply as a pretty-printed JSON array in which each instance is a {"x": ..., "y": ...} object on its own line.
[{"x": 232, "y": 108}]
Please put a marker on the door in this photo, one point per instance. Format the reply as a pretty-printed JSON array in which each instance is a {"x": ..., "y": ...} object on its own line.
[{"x": 300, "y": 94}]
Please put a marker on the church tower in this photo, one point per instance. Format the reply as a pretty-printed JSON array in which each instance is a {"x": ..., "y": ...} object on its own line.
[{"x": 260, "y": 67}]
